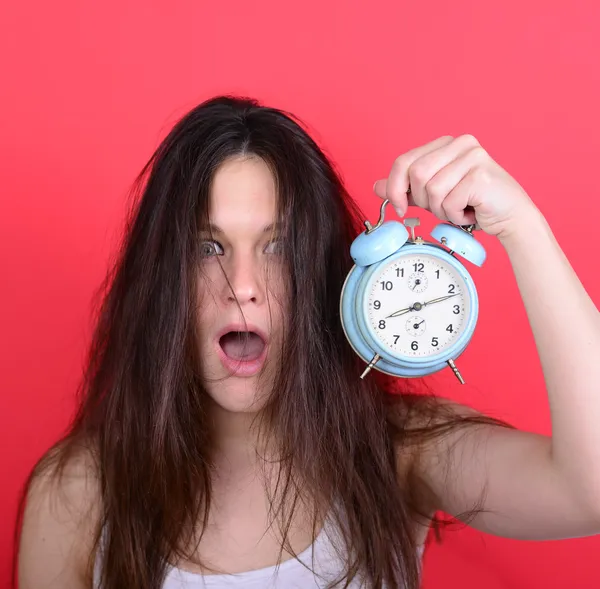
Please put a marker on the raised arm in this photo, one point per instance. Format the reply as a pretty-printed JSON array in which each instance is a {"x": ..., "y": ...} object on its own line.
[{"x": 536, "y": 487}]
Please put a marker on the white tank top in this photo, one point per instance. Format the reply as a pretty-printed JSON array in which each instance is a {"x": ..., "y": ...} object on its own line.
[{"x": 314, "y": 568}]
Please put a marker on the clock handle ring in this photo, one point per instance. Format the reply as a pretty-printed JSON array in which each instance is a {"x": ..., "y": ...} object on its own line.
[{"x": 370, "y": 227}]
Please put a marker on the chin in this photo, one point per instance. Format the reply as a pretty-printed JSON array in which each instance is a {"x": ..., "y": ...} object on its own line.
[{"x": 237, "y": 397}]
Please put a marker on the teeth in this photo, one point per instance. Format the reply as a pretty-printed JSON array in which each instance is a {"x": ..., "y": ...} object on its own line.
[{"x": 241, "y": 334}]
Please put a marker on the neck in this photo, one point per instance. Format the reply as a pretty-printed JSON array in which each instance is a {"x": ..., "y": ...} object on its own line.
[
  {"x": 236, "y": 440},
  {"x": 241, "y": 457}
]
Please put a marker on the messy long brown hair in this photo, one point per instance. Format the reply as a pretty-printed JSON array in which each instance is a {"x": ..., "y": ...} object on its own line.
[{"x": 142, "y": 408}]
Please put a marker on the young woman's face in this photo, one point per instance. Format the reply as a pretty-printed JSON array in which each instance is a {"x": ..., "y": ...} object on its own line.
[{"x": 242, "y": 214}]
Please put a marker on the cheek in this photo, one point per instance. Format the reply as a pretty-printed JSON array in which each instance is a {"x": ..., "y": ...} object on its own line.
[
  {"x": 205, "y": 318},
  {"x": 278, "y": 286},
  {"x": 206, "y": 293}
]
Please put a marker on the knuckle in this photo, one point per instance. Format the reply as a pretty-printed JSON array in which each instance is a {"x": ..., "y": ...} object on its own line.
[
  {"x": 482, "y": 175},
  {"x": 435, "y": 190},
  {"x": 400, "y": 162},
  {"x": 419, "y": 173},
  {"x": 467, "y": 140},
  {"x": 478, "y": 153}
]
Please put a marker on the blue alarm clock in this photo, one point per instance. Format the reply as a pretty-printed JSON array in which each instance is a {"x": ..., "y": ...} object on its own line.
[{"x": 408, "y": 306}]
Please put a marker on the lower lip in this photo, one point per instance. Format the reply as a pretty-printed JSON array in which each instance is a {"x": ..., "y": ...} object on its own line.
[{"x": 241, "y": 367}]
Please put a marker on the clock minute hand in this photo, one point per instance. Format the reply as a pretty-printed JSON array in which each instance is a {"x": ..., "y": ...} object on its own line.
[
  {"x": 419, "y": 306},
  {"x": 402, "y": 311},
  {"x": 440, "y": 299}
]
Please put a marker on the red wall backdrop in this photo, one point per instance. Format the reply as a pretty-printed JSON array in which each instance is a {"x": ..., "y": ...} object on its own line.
[{"x": 89, "y": 88}]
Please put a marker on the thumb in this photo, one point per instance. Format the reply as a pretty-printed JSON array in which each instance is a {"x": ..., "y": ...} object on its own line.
[{"x": 380, "y": 187}]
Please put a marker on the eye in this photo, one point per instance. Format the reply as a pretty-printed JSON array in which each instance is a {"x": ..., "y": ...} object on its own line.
[
  {"x": 209, "y": 249},
  {"x": 274, "y": 247}
]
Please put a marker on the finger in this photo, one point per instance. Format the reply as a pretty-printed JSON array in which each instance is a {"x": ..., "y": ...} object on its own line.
[
  {"x": 399, "y": 202},
  {"x": 448, "y": 177},
  {"x": 396, "y": 186},
  {"x": 422, "y": 171},
  {"x": 457, "y": 205},
  {"x": 437, "y": 209}
]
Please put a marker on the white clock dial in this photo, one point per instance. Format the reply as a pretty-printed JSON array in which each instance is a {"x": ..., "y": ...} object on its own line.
[{"x": 418, "y": 319}]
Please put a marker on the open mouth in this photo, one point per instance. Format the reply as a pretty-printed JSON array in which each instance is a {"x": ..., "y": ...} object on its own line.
[{"x": 242, "y": 346}]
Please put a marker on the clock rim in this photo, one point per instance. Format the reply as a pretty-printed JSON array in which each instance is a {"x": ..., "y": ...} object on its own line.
[{"x": 354, "y": 292}]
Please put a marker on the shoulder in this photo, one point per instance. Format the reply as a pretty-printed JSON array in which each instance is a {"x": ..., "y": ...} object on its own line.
[{"x": 60, "y": 521}]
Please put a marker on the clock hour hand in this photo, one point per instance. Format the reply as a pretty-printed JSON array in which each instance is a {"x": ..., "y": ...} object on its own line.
[{"x": 440, "y": 299}]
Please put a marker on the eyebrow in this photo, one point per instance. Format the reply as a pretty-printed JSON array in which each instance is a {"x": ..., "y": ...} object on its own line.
[{"x": 216, "y": 229}]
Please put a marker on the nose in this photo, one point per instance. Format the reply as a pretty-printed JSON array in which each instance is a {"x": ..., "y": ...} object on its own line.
[{"x": 244, "y": 277}]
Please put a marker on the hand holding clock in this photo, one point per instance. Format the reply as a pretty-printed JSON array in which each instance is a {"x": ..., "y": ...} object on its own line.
[{"x": 457, "y": 181}]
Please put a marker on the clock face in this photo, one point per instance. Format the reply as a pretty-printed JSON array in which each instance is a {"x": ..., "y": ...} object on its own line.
[{"x": 418, "y": 305}]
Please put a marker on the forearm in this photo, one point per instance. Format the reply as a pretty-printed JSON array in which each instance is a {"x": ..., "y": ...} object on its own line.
[{"x": 566, "y": 327}]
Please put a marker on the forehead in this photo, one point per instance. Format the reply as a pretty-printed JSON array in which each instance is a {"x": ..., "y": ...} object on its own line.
[{"x": 243, "y": 195}]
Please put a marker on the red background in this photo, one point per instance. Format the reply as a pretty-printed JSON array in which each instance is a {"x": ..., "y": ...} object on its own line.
[{"x": 89, "y": 88}]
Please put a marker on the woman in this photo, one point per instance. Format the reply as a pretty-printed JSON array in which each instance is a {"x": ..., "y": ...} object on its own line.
[{"x": 223, "y": 426}]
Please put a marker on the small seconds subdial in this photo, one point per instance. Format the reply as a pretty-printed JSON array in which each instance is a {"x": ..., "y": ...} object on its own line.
[
  {"x": 417, "y": 282},
  {"x": 421, "y": 319},
  {"x": 415, "y": 326}
]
